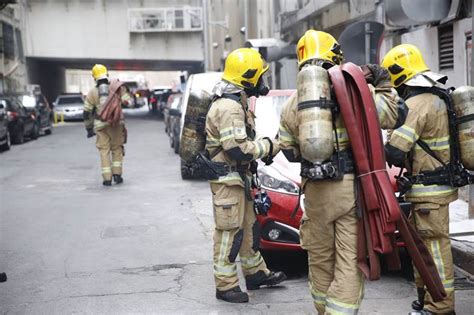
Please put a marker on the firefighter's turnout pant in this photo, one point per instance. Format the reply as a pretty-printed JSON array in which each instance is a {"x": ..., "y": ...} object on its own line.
[
  {"x": 432, "y": 223},
  {"x": 329, "y": 234},
  {"x": 110, "y": 145},
  {"x": 236, "y": 233}
]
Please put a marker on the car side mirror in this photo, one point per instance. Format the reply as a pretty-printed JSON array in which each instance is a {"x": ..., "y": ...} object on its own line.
[{"x": 174, "y": 112}]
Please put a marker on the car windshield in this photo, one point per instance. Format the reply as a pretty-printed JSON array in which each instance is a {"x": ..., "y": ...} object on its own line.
[
  {"x": 68, "y": 100},
  {"x": 267, "y": 112},
  {"x": 28, "y": 101}
]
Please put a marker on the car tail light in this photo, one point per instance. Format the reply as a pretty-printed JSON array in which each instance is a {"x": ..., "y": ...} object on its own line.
[{"x": 12, "y": 115}]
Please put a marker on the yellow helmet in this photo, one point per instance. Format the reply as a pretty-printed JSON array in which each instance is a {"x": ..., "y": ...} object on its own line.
[
  {"x": 99, "y": 72},
  {"x": 318, "y": 45},
  {"x": 243, "y": 67},
  {"x": 403, "y": 62}
]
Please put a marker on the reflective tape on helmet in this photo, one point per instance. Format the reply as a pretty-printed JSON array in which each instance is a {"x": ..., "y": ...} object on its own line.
[
  {"x": 406, "y": 133},
  {"x": 106, "y": 170},
  {"x": 334, "y": 307},
  {"x": 251, "y": 262},
  {"x": 419, "y": 190}
]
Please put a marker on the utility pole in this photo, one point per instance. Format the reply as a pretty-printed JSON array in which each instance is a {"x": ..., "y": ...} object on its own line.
[{"x": 207, "y": 51}]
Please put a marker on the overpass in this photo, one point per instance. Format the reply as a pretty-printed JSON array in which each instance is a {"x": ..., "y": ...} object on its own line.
[{"x": 122, "y": 34}]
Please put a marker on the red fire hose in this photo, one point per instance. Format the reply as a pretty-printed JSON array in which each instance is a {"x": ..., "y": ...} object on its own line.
[{"x": 380, "y": 212}]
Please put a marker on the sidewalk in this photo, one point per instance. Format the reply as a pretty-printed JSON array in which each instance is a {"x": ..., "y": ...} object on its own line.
[{"x": 462, "y": 235}]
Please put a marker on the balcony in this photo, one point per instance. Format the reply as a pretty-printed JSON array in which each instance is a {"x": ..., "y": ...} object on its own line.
[{"x": 184, "y": 19}]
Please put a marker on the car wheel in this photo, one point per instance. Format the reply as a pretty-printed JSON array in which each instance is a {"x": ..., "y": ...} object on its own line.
[
  {"x": 35, "y": 132},
  {"x": 176, "y": 146},
  {"x": 6, "y": 146},
  {"x": 19, "y": 137},
  {"x": 186, "y": 172}
]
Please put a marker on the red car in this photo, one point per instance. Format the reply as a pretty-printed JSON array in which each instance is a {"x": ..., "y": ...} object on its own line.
[{"x": 281, "y": 180}]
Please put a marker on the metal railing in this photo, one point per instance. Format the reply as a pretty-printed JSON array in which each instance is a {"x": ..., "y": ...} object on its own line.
[{"x": 183, "y": 19}]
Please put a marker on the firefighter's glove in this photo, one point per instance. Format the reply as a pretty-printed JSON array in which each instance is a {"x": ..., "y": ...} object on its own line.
[
  {"x": 90, "y": 132},
  {"x": 376, "y": 75},
  {"x": 274, "y": 149},
  {"x": 253, "y": 166}
]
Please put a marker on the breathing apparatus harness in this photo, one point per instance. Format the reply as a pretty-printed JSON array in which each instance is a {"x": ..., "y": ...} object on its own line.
[
  {"x": 213, "y": 170},
  {"x": 453, "y": 173},
  {"x": 341, "y": 161}
]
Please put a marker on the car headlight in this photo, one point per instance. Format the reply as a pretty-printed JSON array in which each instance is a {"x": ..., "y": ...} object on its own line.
[{"x": 271, "y": 179}]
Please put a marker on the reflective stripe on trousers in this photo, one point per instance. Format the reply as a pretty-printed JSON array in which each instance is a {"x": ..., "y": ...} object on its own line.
[
  {"x": 335, "y": 307},
  {"x": 221, "y": 268},
  {"x": 419, "y": 190},
  {"x": 251, "y": 262}
]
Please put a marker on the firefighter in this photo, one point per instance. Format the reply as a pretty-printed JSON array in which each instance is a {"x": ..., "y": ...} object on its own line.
[
  {"x": 329, "y": 225},
  {"x": 426, "y": 124},
  {"x": 230, "y": 139},
  {"x": 110, "y": 139}
]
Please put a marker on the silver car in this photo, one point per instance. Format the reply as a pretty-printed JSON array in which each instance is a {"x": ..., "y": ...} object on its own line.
[{"x": 69, "y": 105}]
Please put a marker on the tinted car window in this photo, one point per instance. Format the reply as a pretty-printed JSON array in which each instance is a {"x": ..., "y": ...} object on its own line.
[{"x": 69, "y": 100}]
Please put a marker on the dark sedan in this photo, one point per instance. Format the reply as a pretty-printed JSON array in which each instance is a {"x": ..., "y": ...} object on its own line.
[
  {"x": 39, "y": 106},
  {"x": 21, "y": 123}
]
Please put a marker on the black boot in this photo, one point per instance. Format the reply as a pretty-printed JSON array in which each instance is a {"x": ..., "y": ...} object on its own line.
[
  {"x": 3, "y": 277},
  {"x": 259, "y": 278},
  {"x": 234, "y": 295},
  {"x": 418, "y": 305},
  {"x": 118, "y": 179},
  {"x": 107, "y": 183}
]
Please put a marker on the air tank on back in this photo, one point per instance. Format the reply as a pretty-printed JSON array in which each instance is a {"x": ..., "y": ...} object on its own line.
[
  {"x": 193, "y": 138},
  {"x": 463, "y": 101},
  {"x": 314, "y": 115}
]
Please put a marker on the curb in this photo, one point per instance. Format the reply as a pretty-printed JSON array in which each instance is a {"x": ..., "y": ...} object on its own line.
[{"x": 463, "y": 255}]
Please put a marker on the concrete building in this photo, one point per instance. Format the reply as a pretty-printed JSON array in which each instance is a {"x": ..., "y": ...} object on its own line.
[
  {"x": 444, "y": 38},
  {"x": 13, "y": 76},
  {"x": 122, "y": 34}
]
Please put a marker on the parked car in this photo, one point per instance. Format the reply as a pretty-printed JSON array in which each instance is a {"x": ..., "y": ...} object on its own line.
[
  {"x": 4, "y": 133},
  {"x": 38, "y": 105},
  {"x": 158, "y": 98},
  {"x": 70, "y": 105},
  {"x": 174, "y": 113},
  {"x": 281, "y": 180},
  {"x": 199, "y": 81},
  {"x": 166, "y": 117},
  {"x": 21, "y": 123}
]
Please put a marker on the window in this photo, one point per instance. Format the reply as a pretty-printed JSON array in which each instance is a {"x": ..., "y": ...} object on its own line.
[
  {"x": 19, "y": 44},
  {"x": 446, "y": 47},
  {"x": 184, "y": 19},
  {"x": 8, "y": 41}
]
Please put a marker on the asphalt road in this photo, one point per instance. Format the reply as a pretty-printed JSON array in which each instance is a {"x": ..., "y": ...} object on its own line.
[{"x": 70, "y": 245}]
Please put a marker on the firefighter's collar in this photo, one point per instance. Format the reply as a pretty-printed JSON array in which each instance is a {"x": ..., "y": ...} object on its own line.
[
  {"x": 427, "y": 79},
  {"x": 223, "y": 87}
]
